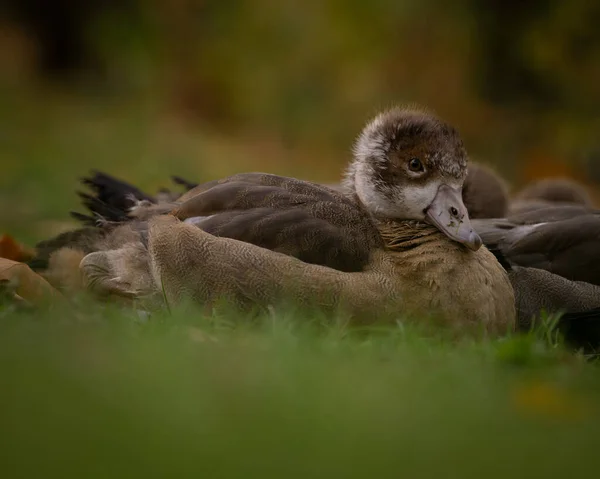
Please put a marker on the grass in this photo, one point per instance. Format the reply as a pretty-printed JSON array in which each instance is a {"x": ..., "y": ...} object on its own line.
[
  {"x": 98, "y": 391},
  {"x": 107, "y": 393}
]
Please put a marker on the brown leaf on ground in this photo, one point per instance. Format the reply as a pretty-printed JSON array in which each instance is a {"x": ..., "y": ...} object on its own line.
[
  {"x": 26, "y": 284},
  {"x": 10, "y": 249}
]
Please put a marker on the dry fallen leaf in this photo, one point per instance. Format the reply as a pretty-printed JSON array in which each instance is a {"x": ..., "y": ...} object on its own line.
[
  {"x": 10, "y": 249},
  {"x": 25, "y": 283}
]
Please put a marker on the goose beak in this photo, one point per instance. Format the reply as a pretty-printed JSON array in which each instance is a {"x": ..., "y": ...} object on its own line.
[{"x": 448, "y": 213}]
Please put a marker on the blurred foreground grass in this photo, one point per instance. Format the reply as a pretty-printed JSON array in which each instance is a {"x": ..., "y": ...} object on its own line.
[{"x": 180, "y": 396}]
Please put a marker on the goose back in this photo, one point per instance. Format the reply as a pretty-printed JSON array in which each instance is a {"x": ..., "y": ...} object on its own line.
[
  {"x": 567, "y": 247},
  {"x": 302, "y": 219},
  {"x": 539, "y": 290}
]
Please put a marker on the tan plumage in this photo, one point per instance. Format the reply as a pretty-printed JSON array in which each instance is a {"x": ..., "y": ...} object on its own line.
[
  {"x": 63, "y": 269},
  {"x": 420, "y": 273},
  {"x": 438, "y": 275}
]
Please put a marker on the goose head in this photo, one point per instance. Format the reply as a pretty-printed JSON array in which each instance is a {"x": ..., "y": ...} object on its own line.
[
  {"x": 410, "y": 165},
  {"x": 556, "y": 190},
  {"x": 485, "y": 192}
]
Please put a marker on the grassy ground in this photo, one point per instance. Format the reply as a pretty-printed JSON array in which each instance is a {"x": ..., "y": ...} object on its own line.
[
  {"x": 116, "y": 395},
  {"x": 100, "y": 392}
]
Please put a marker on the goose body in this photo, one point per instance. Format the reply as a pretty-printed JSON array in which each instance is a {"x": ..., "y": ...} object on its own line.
[
  {"x": 399, "y": 239},
  {"x": 552, "y": 256},
  {"x": 406, "y": 267},
  {"x": 414, "y": 275},
  {"x": 550, "y": 192},
  {"x": 562, "y": 240},
  {"x": 556, "y": 190},
  {"x": 538, "y": 290}
]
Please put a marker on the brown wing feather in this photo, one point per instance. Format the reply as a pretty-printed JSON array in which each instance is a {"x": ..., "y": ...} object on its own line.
[
  {"x": 569, "y": 248},
  {"x": 299, "y": 218},
  {"x": 239, "y": 196},
  {"x": 300, "y": 233},
  {"x": 551, "y": 213},
  {"x": 283, "y": 183}
]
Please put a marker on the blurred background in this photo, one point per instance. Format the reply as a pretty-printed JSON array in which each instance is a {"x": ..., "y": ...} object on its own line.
[{"x": 202, "y": 89}]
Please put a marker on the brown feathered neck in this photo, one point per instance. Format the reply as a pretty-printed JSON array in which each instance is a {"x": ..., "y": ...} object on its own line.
[{"x": 404, "y": 235}]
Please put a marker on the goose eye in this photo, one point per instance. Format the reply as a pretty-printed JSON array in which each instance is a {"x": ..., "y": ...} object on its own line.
[{"x": 414, "y": 164}]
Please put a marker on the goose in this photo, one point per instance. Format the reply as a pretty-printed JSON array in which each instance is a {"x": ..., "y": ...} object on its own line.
[
  {"x": 408, "y": 165},
  {"x": 399, "y": 239},
  {"x": 485, "y": 192},
  {"x": 538, "y": 291},
  {"x": 564, "y": 240},
  {"x": 550, "y": 192},
  {"x": 552, "y": 257}
]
